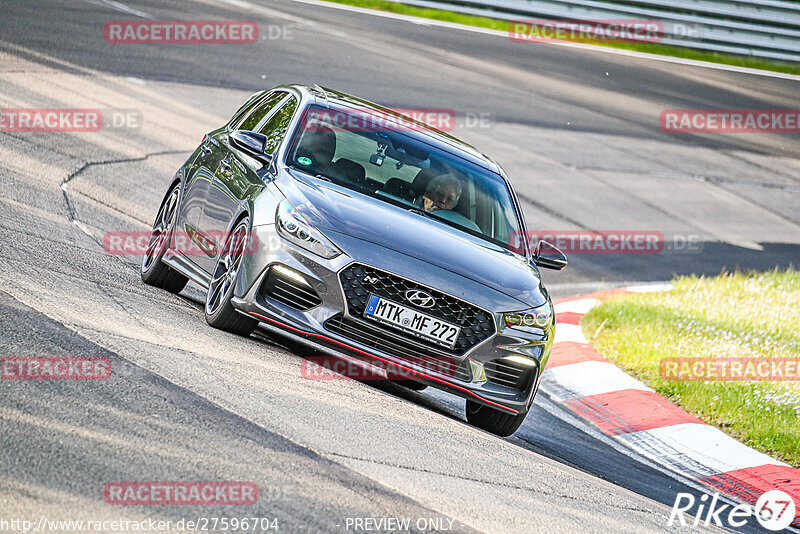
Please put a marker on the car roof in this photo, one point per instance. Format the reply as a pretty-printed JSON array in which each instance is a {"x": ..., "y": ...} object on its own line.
[{"x": 338, "y": 100}]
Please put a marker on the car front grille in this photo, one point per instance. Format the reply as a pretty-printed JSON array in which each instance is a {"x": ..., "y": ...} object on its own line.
[
  {"x": 289, "y": 291},
  {"x": 508, "y": 374},
  {"x": 358, "y": 281},
  {"x": 398, "y": 346}
]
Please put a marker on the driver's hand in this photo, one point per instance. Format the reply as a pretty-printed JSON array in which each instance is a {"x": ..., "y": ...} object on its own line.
[{"x": 427, "y": 204}]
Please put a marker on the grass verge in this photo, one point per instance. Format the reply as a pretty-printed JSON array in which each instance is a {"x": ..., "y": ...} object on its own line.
[
  {"x": 502, "y": 25},
  {"x": 741, "y": 315}
]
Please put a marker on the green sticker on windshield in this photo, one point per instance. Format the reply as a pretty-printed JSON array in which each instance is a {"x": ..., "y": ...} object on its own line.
[{"x": 304, "y": 161}]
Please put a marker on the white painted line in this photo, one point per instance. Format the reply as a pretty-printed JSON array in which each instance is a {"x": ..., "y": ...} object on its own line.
[
  {"x": 552, "y": 406},
  {"x": 689, "y": 449},
  {"x": 748, "y": 244},
  {"x": 582, "y": 46},
  {"x": 569, "y": 332},
  {"x": 238, "y": 3},
  {"x": 578, "y": 288},
  {"x": 700, "y": 443},
  {"x": 82, "y": 228},
  {"x": 593, "y": 378},
  {"x": 121, "y": 7},
  {"x": 650, "y": 288},
  {"x": 273, "y": 13},
  {"x": 577, "y": 306},
  {"x": 137, "y": 81}
]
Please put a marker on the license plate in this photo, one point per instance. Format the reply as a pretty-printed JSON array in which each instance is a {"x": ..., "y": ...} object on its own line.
[{"x": 420, "y": 324}]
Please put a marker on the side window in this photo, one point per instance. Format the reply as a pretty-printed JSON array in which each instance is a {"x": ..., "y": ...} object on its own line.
[
  {"x": 247, "y": 107},
  {"x": 261, "y": 110},
  {"x": 276, "y": 126}
]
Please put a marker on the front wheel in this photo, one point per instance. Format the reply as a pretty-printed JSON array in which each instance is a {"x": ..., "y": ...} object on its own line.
[
  {"x": 220, "y": 313},
  {"x": 494, "y": 421}
]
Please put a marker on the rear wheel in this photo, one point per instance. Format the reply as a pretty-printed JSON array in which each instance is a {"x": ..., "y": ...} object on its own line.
[
  {"x": 220, "y": 313},
  {"x": 494, "y": 421},
  {"x": 154, "y": 271}
]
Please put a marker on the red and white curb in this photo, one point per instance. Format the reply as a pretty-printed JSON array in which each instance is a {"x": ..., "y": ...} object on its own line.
[{"x": 620, "y": 406}]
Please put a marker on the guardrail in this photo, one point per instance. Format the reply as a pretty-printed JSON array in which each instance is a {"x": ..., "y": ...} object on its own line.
[{"x": 761, "y": 28}]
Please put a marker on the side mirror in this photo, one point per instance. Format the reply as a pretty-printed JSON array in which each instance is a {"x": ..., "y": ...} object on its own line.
[
  {"x": 548, "y": 256},
  {"x": 252, "y": 144}
]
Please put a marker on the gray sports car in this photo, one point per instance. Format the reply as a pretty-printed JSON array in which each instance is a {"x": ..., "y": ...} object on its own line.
[{"x": 369, "y": 236}]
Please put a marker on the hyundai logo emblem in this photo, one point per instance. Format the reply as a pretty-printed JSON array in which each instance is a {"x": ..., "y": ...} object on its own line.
[{"x": 419, "y": 298}]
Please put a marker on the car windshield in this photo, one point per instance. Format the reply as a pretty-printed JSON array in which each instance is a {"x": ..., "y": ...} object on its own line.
[{"x": 370, "y": 154}]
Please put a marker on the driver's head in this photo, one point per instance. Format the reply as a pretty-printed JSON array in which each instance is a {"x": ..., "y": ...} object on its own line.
[
  {"x": 442, "y": 193},
  {"x": 319, "y": 145}
]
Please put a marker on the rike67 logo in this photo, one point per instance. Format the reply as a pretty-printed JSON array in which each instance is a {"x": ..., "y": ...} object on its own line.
[{"x": 774, "y": 510}]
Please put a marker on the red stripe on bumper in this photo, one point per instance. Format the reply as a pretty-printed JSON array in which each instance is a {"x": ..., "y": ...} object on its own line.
[{"x": 428, "y": 377}]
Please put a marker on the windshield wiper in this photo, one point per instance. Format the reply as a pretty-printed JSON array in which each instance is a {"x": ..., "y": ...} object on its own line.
[{"x": 418, "y": 211}]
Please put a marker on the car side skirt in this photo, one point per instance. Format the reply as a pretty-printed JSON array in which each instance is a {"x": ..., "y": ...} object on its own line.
[{"x": 186, "y": 267}]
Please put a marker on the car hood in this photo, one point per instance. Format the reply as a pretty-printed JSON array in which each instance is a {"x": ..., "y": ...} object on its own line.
[{"x": 331, "y": 207}]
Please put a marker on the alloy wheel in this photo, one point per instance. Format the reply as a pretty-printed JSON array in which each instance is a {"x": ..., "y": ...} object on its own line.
[
  {"x": 161, "y": 229},
  {"x": 226, "y": 270}
]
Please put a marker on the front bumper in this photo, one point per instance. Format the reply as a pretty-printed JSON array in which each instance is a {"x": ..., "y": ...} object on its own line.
[{"x": 487, "y": 371}]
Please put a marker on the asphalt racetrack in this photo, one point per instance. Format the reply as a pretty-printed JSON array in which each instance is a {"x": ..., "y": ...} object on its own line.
[{"x": 578, "y": 132}]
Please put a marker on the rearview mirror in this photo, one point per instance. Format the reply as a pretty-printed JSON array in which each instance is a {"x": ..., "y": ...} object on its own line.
[
  {"x": 251, "y": 143},
  {"x": 549, "y": 256}
]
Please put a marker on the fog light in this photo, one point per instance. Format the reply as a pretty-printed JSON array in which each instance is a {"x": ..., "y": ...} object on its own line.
[
  {"x": 291, "y": 274},
  {"x": 521, "y": 360}
]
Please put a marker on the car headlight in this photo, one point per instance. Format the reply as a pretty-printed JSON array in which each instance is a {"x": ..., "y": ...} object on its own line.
[
  {"x": 294, "y": 228},
  {"x": 541, "y": 317}
]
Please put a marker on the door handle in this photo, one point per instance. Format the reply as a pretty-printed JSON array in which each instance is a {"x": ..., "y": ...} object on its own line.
[
  {"x": 207, "y": 150},
  {"x": 225, "y": 165}
]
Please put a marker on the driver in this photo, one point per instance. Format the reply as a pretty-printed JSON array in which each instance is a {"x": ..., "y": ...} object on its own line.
[{"x": 442, "y": 193}]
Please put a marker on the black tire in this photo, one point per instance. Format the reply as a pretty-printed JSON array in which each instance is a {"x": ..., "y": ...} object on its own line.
[
  {"x": 219, "y": 311},
  {"x": 154, "y": 271},
  {"x": 491, "y": 420}
]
